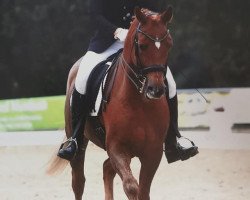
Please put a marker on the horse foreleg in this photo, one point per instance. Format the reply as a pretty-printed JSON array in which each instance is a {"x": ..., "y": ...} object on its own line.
[
  {"x": 108, "y": 178},
  {"x": 121, "y": 163},
  {"x": 77, "y": 164},
  {"x": 149, "y": 165}
]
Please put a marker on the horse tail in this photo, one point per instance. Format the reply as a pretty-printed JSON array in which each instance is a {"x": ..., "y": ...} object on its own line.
[
  {"x": 56, "y": 165},
  {"x": 69, "y": 90}
]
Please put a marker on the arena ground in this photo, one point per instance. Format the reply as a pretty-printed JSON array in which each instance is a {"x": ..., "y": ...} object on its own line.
[{"x": 220, "y": 171}]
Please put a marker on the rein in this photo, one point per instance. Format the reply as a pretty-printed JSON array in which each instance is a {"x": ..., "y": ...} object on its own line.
[
  {"x": 137, "y": 73},
  {"x": 138, "y": 80}
]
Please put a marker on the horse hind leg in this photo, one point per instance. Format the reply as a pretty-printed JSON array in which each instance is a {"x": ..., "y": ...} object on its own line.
[
  {"x": 108, "y": 178},
  {"x": 77, "y": 164}
]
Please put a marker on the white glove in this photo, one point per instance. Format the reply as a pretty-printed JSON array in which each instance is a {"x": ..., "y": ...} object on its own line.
[{"x": 121, "y": 34}]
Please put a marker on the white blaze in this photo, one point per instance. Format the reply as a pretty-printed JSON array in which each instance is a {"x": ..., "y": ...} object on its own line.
[{"x": 158, "y": 45}]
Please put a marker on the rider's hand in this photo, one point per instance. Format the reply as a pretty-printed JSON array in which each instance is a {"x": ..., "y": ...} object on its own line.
[{"x": 121, "y": 34}]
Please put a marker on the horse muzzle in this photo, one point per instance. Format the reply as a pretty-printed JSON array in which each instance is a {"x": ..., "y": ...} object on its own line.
[
  {"x": 155, "y": 92},
  {"x": 153, "y": 89}
]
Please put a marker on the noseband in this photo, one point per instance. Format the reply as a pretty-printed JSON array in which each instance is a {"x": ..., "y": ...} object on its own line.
[{"x": 138, "y": 72}]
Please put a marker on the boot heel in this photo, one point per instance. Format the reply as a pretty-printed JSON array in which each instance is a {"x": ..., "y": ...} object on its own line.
[{"x": 172, "y": 155}]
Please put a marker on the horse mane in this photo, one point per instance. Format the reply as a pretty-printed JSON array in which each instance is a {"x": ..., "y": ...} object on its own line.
[{"x": 146, "y": 11}]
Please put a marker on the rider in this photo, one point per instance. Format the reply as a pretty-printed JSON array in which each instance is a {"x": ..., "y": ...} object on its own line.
[{"x": 112, "y": 19}]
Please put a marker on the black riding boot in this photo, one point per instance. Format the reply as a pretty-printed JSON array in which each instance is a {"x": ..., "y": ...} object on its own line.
[
  {"x": 173, "y": 150},
  {"x": 79, "y": 112}
]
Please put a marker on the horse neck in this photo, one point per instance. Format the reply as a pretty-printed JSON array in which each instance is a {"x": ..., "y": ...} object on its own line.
[{"x": 126, "y": 89}]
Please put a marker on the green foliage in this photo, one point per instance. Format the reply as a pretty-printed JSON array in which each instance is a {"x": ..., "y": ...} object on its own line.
[
  {"x": 211, "y": 43},
  {"x": 42, "y": 113},
  {"x": 40, "y": 40}
]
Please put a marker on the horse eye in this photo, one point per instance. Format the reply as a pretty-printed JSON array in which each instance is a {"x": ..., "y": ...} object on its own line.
[{"x": 143, "y": 46}]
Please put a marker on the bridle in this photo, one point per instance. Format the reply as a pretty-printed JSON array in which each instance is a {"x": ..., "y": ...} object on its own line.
[{"x": 137, "y": 73}]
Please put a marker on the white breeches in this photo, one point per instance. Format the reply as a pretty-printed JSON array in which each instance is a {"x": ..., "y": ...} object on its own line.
[
  {"x": 91, "y": 59},
  {"x": 171, "y": 84}
]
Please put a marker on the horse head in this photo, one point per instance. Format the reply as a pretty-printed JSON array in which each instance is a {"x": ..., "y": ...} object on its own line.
[{"x": 146, "y": 51}]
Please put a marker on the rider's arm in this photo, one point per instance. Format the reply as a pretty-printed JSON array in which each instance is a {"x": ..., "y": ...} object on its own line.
[
  {"x": 99, "y": 21},
  {"x": 156, "y": 5}
]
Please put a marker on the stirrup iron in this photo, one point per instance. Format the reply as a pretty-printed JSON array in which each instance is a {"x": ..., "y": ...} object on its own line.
[{"x": 66, "y": 143}]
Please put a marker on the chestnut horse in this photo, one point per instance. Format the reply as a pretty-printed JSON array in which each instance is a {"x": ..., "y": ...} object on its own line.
[{"x": 136, "y": 118}]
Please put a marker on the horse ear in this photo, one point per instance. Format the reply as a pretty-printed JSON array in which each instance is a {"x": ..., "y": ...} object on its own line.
[
  {"x": 140, "y": 15},
  {"x": 167, "y": 15}
]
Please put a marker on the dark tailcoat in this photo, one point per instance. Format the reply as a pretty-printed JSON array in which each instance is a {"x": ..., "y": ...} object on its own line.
[{"x": 108, "y": 15}]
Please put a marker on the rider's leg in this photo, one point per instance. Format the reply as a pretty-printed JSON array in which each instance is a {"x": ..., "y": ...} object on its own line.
[
  {"x": 173, "y": 150},
  {"x": 79, "y": 107},
  {"x": 78, "y": 118}
]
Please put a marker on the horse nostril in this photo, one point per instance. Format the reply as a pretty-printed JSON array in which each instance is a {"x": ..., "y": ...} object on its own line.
[
  {"x": 150, "y": 88},
  {"x": 156, "y": 91}
]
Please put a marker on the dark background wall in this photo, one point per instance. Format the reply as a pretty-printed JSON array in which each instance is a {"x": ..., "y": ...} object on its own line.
[{"x": 40, "y": 40}]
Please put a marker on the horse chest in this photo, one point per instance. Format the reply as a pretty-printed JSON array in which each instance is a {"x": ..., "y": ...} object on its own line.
[{"x": 142, "y": 128}]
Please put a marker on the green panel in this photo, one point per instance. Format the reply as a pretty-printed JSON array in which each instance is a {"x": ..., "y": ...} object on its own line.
[{"x": 42, "y": 113}]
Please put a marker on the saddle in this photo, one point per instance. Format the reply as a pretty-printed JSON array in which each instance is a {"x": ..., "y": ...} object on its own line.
[{"x": 100, "y": 83}]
